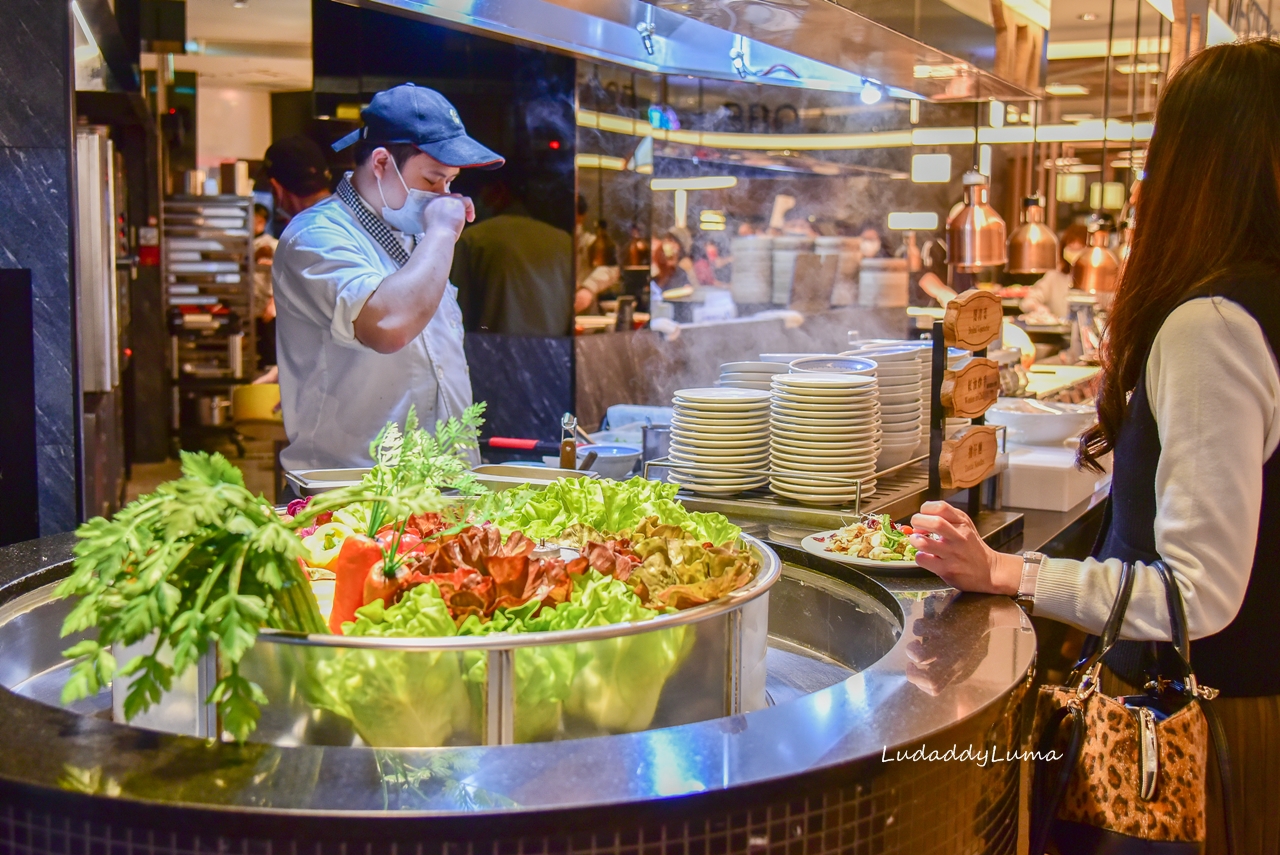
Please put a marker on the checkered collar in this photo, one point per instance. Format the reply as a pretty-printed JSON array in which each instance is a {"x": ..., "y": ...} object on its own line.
[{"x": 372, "y": 223}]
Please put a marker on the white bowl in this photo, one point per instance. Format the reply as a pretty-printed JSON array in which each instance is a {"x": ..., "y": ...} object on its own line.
[
  {"x": 890, "y": 457},
  {"x": 1036, "y": 423},
  {"x": 612, "y": 461}
]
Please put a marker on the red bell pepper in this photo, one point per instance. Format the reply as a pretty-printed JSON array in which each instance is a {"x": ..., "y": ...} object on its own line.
[{"x": 351, "y": 567}]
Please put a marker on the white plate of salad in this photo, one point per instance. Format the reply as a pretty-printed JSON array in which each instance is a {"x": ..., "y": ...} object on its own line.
[{"x": 875, "y": 541}]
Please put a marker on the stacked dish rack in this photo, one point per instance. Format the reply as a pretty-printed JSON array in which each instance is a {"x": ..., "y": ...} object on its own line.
[{"x": 207, "y": 253}]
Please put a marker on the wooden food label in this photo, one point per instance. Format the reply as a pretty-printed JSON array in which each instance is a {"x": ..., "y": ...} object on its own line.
[
  {"x": 968, "y": 457},
  {"x": 972, "y": 320},
  {"x": 969, "y": 392}
]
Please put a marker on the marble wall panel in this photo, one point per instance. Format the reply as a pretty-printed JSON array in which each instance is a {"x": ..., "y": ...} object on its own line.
[
  {"x": 527, "y": 382},
  {"x": 36, "y": 225}
]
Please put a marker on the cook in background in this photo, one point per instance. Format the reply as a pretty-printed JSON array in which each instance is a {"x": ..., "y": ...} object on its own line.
[
  {"x": 1049, "y": 293},
  {"x": 1190, "y": 412},
  {"x": 514, "y": 273},
  {"x": 296, "y": 169},
  {"x": 669, "y": 268},
  {"x": 595, "y": 267},
  {"x": 298, "y": 173},
  {"x": 872, "y": 242},
  {"x": 264, "y": 249},
  {"x": 369, "y": 325}
]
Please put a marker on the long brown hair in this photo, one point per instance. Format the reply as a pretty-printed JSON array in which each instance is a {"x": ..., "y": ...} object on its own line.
[{"x": 1209, "y": 209}]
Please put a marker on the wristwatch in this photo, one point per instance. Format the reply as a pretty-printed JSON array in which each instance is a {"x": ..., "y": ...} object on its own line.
[{"x": 1031, "y": 562}]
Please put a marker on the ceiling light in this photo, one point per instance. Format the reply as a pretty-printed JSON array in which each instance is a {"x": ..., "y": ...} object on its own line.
[
  {"x": 1033, "y": 247},
  {"x": 975, "y": 233},
  {"x": 1138, "y": 68},
  {"x": 923, "y": 221},
  {"x": 1088, "y": 16},
  {"x": 1061, "y": 89},
  {"x": 1164, "y": 7},
  {"x": 240, "y": 4},
  {"x": 931, "y": 168},
  {"x": 706, "y": 182},
  {"x": 871, "y": 92},
  {"x": 1097, "y": 270}
]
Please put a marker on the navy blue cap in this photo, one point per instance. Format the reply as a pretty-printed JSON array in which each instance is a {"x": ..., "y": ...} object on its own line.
[{"x": 424, "y": 118}]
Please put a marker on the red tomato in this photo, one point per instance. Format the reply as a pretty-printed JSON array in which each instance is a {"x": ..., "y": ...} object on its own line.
[{"x": 905, "y": 529}]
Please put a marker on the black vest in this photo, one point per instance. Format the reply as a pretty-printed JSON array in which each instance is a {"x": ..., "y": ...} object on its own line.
[{"x": 1244, "y": 659}]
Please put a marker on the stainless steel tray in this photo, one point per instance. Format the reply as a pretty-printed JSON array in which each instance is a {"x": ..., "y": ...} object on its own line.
[{"x": 309, "y": 482}]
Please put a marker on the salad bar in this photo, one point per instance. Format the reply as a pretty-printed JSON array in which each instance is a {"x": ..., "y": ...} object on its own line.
[{"x": 415, "y": 661}]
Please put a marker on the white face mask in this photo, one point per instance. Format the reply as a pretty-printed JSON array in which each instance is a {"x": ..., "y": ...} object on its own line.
[
  {"x": 408, "y": 217},
  {"x": 870, "y": 248}
]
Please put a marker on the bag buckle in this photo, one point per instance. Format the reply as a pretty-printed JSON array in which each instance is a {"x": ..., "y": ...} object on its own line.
[{"x": 1204, "y": 692}]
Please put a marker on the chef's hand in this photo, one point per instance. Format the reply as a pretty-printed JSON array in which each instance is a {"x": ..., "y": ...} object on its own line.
[
  {"x": 948, "y": 544},
  {"x": 449, "y": 212}
]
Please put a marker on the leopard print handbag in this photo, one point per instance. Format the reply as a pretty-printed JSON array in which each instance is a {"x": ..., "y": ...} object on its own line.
[{"x": 1129, "y": 774}]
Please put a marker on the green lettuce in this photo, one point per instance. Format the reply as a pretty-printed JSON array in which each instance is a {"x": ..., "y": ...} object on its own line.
[
  {"x": 427, "y": 699},
  {"x": 601, "y": 505}
]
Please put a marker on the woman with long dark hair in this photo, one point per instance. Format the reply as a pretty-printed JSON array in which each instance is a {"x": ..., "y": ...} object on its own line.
[{"x": 1190, "y": 411}]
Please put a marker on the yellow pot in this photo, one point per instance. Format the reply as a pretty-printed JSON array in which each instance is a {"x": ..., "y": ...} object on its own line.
[{"x": 257, "y": 402}]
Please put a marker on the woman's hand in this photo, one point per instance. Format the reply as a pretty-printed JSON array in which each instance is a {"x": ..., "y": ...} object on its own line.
[{"x": 948, "y": 544}]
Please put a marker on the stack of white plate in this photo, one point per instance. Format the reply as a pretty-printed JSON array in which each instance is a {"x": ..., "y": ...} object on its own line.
[
  {"x": 825, "y": 437},
  {"x": 901, "y": 403},
  {"x": 752, "y": 269},
  {"x": 750, "y": 375},
  {"x": 720, "y": 440}
]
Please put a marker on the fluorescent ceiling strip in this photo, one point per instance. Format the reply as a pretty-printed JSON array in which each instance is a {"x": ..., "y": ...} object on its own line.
[
  {"x": 1088, "y": 131},
  {"x": 942, "y": 136},
  {"x": 701, "y": 182},
  {"x": 1220, "y": 32},
  {"x": 1098, "y": 48},
  {"x": 1164, "y": 7},
  {"x": 925, "y": 221}
]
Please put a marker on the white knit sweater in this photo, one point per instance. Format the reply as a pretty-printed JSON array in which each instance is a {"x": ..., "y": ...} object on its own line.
[{"x": 1214, "y": 389}]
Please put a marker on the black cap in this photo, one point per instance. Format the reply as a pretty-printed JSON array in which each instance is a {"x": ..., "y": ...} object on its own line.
[
  {"x": 424, "y": 118},
  {"x": 298, "y": 163}
]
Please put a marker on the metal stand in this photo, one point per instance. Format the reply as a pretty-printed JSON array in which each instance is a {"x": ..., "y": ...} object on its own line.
[{"x": 937, "y": 418}]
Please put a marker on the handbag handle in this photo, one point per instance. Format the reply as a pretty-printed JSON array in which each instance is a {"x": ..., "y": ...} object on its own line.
[
  {"x": 1097, "y": 646},
  {"x": 1179, "y": 634}
]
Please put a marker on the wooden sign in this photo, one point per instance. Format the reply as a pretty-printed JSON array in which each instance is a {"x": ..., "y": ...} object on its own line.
[
  {"x": 968, "y": 457},
  {"x": 969, "y": 392},
  {"x": 972, "y": 320}
]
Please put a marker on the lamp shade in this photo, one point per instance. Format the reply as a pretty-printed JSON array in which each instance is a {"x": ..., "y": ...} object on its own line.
[
  {"x": 1033, "y": 247},
  {"x": 975, "y": 233},
  {"x": 1097, "y": 270}
]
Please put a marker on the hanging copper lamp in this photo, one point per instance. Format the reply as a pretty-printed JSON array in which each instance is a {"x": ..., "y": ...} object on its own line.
[
  {"x": 976, "y": 233},
  {"x": 1097, "y": 270},
  {"x": 1033, "y": 247}
]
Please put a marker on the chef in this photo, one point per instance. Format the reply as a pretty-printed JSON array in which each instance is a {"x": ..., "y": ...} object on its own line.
[{"x": 367, "y": 321}]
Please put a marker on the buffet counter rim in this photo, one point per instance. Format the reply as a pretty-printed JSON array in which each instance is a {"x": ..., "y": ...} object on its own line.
[{"x": 832, "y": 731}]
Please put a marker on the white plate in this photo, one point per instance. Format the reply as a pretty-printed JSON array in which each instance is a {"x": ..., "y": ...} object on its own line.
[
  {"x": 824, "y": 401},
  {"x": 719, "y": 447},
  {"x": 905, "y": 398},
  {"x": 819, "y": 499},
  {"x": 718, "y": 489},
  {"x": 707, "y": 439},
  {"x": 723, "y": 408},
  {"x": 860, "y": 468},
  {"x": 744, "y": 384},
  {"x": 824, "y": 382},
  {"x": 734, "y": 463},
  {"x": 746, "y": 375},
  {"x": 890, "y": 353},
  {"x": 721, "y": 431},
  {"x": 713, "y": 478},
  {"x": 826, "y": 414},
  {"x": 784, "y": 420},
  {"x": 833, "y": 365},
  {"x": 756, "y": 367},
  {"x": 714, "y": 395},
  {"x": 815, "y": 547},
  {"x": 783, "y": 431},
  {"x": 887, "y": 419},
  {"x": 737, "y": 420},
  {"x": 899, "y": 409},
  {"x": 897, "y": 370},
  {"x": 801, "y": 453}
]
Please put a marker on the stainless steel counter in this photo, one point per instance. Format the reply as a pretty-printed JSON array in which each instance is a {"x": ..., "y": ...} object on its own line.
[{"x": 817, "y": 772}]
